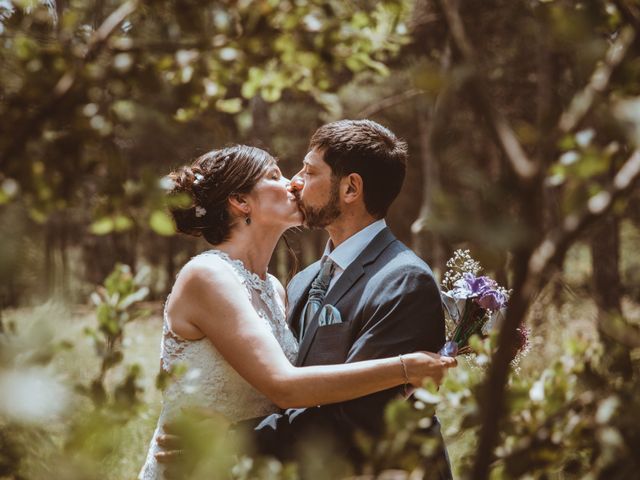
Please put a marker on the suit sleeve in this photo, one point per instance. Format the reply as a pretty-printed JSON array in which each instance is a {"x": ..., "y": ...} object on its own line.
[{"x": 402, "y": 314}]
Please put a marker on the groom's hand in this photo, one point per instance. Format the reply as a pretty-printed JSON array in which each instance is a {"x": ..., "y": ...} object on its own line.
[
  {"x": 171, "y": 453},
  {"x": 195, "y": 435},
  {"x": 170, "y": 444}
]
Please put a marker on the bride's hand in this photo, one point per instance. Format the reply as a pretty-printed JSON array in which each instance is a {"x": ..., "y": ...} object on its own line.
[{"x": 422, "y": 365}]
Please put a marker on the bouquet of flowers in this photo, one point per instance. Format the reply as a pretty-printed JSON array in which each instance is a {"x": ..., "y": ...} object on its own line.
[{"x": 474, "y": 305}]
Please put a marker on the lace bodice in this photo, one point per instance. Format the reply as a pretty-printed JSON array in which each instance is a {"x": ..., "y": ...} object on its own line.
[{"x": 210, "y": 381}]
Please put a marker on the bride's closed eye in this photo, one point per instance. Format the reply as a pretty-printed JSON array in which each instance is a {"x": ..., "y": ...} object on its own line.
[{"x": 275, "y": 175}]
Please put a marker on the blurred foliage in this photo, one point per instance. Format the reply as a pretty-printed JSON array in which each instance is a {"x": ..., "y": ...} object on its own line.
[
  {"x": 99, "y": 100},
  {"x": 91, "y": 88},
  {"x": 43, "y": 417},
  {"x": 116, "y": 305},
  {"x": 104, "y": 98},
  {"x": 573, "y": 419}
]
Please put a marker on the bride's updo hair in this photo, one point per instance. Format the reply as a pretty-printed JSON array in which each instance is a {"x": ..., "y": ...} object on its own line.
[{"x": 210, "y": 180}]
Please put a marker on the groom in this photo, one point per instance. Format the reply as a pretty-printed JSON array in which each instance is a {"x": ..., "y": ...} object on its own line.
[{"x": 368, "y": 297}]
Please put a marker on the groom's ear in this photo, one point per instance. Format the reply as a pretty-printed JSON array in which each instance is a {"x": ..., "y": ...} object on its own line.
[
  {"x": 352, "y": 187},
  {"x": 239, "y": 204}
]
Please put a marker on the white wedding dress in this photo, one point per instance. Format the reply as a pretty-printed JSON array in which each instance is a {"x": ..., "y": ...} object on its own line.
[{"x": 210, "y": 381}]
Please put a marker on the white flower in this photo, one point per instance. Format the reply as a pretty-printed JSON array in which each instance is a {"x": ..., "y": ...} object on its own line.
[
  {"x": 200, "y": 211},
  {"x": 199, "y": 178},
  {"x": 167, "y": 183}
]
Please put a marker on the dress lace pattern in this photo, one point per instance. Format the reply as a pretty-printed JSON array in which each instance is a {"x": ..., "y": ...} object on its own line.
[{"x": 210, "y": 381}]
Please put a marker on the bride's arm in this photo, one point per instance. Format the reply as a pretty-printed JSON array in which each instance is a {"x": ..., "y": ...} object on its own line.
[{"x": 212, "y": 300}]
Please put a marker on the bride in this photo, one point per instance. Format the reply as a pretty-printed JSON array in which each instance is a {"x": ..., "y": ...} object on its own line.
[{"x": 225, "y": 316}]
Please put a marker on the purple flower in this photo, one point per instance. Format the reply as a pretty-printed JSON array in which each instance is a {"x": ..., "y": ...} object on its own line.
[
  {"x": 479, "y": 285},
  {"x": 492, "y": 300}
]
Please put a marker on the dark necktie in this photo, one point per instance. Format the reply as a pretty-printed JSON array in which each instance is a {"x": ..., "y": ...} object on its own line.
[{"x": 318, "y": 290}]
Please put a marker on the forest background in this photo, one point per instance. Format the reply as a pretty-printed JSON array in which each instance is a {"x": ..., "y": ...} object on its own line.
[{"x": 523, "y": 123}]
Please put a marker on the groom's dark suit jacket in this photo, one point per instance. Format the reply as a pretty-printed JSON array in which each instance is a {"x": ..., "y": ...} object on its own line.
[{"x": 390, "y": 304}]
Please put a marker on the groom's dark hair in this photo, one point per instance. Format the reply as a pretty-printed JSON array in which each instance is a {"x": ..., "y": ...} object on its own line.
[{"x": 370, "y": 150}]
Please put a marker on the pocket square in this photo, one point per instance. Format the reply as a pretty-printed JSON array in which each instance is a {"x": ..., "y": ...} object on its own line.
[{"x": 329, "y": 315}]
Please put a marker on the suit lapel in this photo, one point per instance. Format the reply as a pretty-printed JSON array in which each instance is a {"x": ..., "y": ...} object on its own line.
[{"x": 346, "y": 281}]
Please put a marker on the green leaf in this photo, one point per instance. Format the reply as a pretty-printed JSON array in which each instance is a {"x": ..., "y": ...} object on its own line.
[
  {"x": 229, "y": 105},
  {"x": 249, "y": 89},
  {"x": 137, "y": 296},
  {"x": 184, "y": 114},
  {"x": 122, "y": 223},
  {"x": 591, "y": 165},
  {"x": 379, "y": 67},
  {"x": 161, "y": 223},
  {"x": 354, "y": 64},
  {"x": 271, "y": 93},
  {"x": 179, "y": 200},
  {"x": 125, "y": 110},
  {"x": 102, "y": 226}
]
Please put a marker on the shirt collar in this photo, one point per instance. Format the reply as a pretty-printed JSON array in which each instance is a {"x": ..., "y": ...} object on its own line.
[{"x": 345, "y": 253}]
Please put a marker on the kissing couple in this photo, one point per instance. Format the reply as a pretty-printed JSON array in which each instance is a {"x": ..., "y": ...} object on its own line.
[{"x": 353, "y": 330}]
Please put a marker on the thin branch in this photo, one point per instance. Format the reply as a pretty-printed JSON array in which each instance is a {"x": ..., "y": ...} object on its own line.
[
  {"x": 530, "y": 272},
  {"x": 598, "y": 205},
  {"x": 631, "y": 13},
  {"x": 524, "y": 168},
  {"x": 585, "y": 399},
  {"x": 67, "y": 81},
  {"x": 104, "y": 31},
  {"x": 583, "y": 101},
  {"x": 166, "y": 47},
  {"x": 389, "y": 102}
]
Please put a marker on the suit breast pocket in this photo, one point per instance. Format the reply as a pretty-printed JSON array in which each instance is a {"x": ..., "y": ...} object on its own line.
[{"x": 331, "y": 344}]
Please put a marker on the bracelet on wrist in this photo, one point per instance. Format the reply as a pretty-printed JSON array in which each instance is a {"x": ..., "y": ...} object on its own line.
[{"x": 406, "y": 376}]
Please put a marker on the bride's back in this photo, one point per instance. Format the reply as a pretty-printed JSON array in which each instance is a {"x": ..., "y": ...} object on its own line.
[{"x": 208, "y": 381}]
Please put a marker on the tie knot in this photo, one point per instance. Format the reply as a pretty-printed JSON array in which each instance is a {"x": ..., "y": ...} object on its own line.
[
  {"x": 326, "y": 270},
  {"x": 320, "y": 284}
]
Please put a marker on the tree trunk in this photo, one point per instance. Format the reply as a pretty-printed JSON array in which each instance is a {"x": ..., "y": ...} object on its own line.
[
  {"x": 63, "y": 246},
  {"x": 605, "y": 254},
  {"x": 425, "y": 242},
  {"x": 49, "y": 256}
]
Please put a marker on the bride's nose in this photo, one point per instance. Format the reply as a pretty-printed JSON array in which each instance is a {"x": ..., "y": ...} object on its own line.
[{"x": 296, "y": 183}]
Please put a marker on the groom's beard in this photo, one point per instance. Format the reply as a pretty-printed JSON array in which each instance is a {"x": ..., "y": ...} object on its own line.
[{"x": 320, "y": 217}]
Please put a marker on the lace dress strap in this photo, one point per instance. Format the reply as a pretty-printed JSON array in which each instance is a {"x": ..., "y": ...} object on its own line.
[{"x": 253, "y": 283}]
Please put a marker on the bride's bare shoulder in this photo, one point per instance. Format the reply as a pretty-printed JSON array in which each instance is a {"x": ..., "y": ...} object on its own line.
[
  {"x": 206, "y": 272},
  {"x": 203, "y": 286}
]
